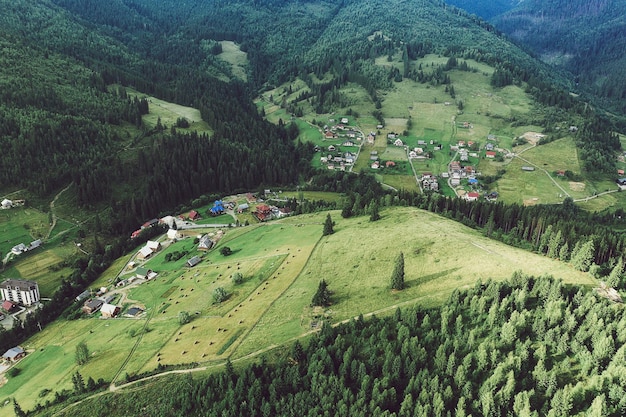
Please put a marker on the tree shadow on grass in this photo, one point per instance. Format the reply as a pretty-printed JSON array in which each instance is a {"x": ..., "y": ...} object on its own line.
[{"x": 430, "y": 277}]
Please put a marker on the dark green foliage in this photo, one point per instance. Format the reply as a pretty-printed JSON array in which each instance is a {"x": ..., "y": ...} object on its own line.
[
  {"x": 78, "y": 382},
  {"x": 322, "y": 295},
  {"x": 13, "y": 372},
  {"x": 226, "y": 251},
  {"x": 237, "y": 278},
  {"x": 18, "y": 410},
  {"x": 184, "y": 317},
  {"x": 529, "y": 347},
  {"x": 397, "y": 276},
  {"x": 82, "y": 353},
  {"x": 220, "y": 295},
  {"x": 328, "y": 226}
]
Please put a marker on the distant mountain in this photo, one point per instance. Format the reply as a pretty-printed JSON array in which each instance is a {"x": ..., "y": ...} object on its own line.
[
  {"x": 585, "y": 37},
  {"x": 487, "y": 9}
]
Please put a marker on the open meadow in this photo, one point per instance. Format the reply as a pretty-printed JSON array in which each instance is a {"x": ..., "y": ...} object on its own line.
[{"x": 281, "y": 263}]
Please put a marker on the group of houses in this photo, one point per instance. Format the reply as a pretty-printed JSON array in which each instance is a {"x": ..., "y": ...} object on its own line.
[
  {"x": 21, "y": 248},
  {"x": 264, "y": 212},
  {"x": 429, "y": 182},
  {"x": 6, "y": 204},
  {"x": 151, "y": 247}
]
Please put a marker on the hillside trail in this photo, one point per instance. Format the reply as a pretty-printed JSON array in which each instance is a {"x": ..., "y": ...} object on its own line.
[{"x": 54, "y": 216}]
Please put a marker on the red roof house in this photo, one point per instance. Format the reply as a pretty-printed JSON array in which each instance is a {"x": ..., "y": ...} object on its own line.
[
  {"x": 490, "y": 154},
  {"x": 8, "y": 306},
  {"x": 473, "y": 196},
  {"x": 194, "y": 215},
  {"x": 263, "y": 212}
]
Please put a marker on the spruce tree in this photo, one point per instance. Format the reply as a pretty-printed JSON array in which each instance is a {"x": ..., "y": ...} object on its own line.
[
  {"x": 374, "y": 211},
  {"x": 397, "y": 277},
  {"x": 615, "y": 277},
  {"x": 328, "y": 226},
  {"x": 322, "y": 295}
]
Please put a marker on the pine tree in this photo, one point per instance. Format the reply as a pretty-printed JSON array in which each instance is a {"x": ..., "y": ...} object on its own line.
[
  {"x": 397, "y": 277},
  {"x": 582, "y": 258},
  {"x": 615, "y": 277},
  {"x": 328, "y": 226},
  {"x": 82, "y": 353},
  {"x": 374, "y": 211},
  {"x": 322, "y": 295}
]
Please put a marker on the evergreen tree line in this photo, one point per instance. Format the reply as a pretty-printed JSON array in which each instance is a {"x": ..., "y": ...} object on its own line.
[
  {"x": 528, "y": 347},
  {"x": 533, "y": 228}
]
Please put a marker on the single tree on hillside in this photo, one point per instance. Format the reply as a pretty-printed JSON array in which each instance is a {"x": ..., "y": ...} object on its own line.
[
  {"x": 329, "y": 226},
  {"x": 82, "y": 353},
  {"x": 322, "y": 295},
  {"x": 374, "y": 211},
  {"x": 219, "y": 295},
  {"x": 397, "y": 277}
]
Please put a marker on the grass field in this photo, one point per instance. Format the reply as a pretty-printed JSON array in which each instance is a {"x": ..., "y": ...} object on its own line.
[
  {"x": 168, "y": 113},
  {"x": 238, "y": 59},
  {"x": 282, "y": 263}
]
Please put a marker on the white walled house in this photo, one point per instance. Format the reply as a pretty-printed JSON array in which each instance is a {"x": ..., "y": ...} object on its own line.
[{"x": 20, "y": 291}]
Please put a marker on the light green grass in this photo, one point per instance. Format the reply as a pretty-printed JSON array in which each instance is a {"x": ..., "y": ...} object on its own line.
[
  {"x": 440, "y": 255},
  {"x": 282, "y": 264},
  {"x": 238, "y": 59},
  {"x": 169, "y": 112}
]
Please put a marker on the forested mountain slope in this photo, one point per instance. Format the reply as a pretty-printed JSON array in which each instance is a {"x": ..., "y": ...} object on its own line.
[
  {"x": 486, "y": 9},
  {"x": 586, "y": 38}
]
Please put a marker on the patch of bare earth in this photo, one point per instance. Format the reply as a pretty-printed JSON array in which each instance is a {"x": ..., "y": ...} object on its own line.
[
  {"x": 533, "y": 137},
  {"x": 577, "y": 186},
  {"x": 531, "y": 201}
]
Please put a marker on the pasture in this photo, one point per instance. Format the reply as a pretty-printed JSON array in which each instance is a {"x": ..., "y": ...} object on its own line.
[
  {"x": 237, "y": 59},
  {"x": 168, "y": 113},
  {"x": 282, "y": 263}
]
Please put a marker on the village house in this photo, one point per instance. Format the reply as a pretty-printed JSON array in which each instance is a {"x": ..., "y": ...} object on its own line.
[
  {"x": 472, "y": 196},
  {"x": 172, "y": 234},
  {"x": 205, "y": 243},
  {"x": 193, "y": 261},
  {"x": 92, "y": 306},
  {"x": 243, "y": 207},
  {"x": 412, "y": 154},
  {"x": 14, "y": 354},
  {"x": 20, "y": 291},
  {"x": 109, "y": 310},
  {"x": 133, "y": 312},
  {"x": 83, "y": 295},
  {"x": 455, "y": 181},
  {"x": 398, "y": 142},
  {"x": 193, "y": 215},
  {"x": 19, "y": 249},
  {"x": 263, "y": 212},
  {"x": 375, "y": 165},
  {"x": 8, "y": 306},
  {"x": 149, "y": 249},
  {"x": 329, "y": 135},
  {"x": 150, "y": 223},
  {"x": 490, "y": 154},
  {"x": 6, "y": 204},
  {"x": 344, "y": 120}
]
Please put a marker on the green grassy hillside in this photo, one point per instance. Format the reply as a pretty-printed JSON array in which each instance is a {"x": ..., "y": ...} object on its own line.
[{"x": 282, "y": 264}]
